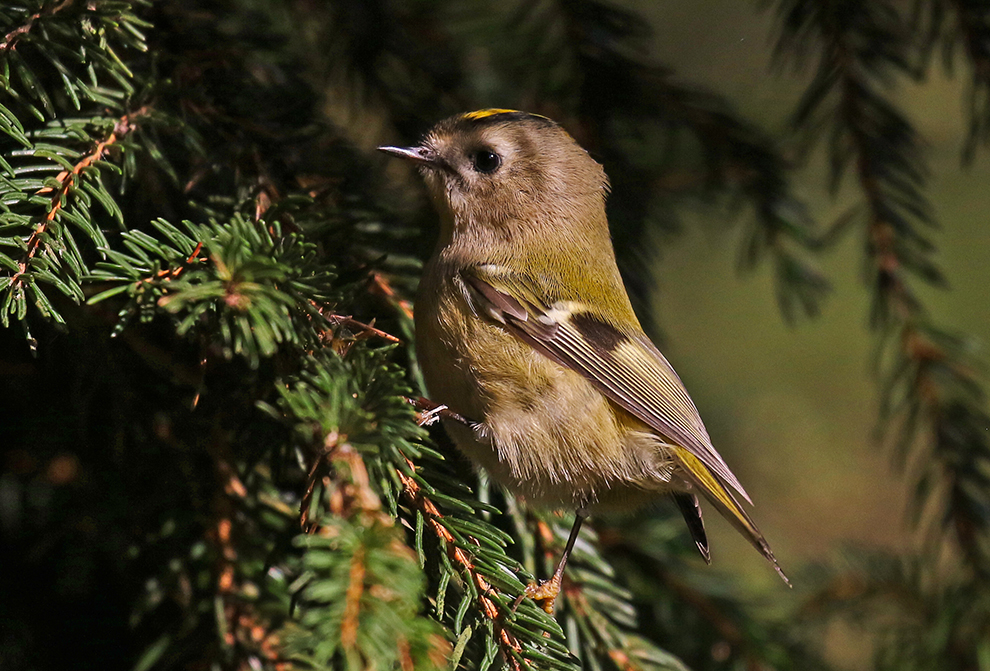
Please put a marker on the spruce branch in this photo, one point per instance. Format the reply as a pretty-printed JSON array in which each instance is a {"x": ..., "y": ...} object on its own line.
[
  {"x": 382, "y": 429},
  {"x": 709, "y": 621},
  {"x": 10, "y": 39},
  {"x": 248, "y": 634},
  {"x": 65, "y": 186},
  {"x": 863, "y": 44},
  {"x": 263, "y": 288},
  {"x": 64, "y": 57},
  {"x": 929, "y": 385},
  {"x": 49, "y": 254},
  {"x": 487, "y": 603},
  {"x": 918, "y": 628},
  {"x": 952, "y": 24},
  {"x": 348, "y": 495},
  {"x": 68, "y": 55},
  {"x": 302, "y": 417},
  {"x": 215, "y": 594},
  {"x": 595, "y": 607},
  {"x": 526, "y": 637}
]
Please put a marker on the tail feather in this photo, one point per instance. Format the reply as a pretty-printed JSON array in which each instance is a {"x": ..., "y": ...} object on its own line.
[
  {"x": 726, "y": 503},
  {"x": 691, "y": 510}
]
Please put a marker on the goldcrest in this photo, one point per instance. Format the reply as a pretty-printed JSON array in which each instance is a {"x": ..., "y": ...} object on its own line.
[{"x": 524, "y": 327}]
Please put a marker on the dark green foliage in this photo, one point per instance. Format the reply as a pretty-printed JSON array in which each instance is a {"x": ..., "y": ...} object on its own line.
[
  {"x": 959, "y": 32},
  {"x": 66, "y": 88},
  {"x": 254, "y": 288},
  {"x": 387, "y": 621},
  {"x": 210, "y": 461}
]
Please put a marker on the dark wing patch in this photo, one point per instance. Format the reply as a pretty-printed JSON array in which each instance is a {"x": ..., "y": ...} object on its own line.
[{"x": 595, "y": 331}]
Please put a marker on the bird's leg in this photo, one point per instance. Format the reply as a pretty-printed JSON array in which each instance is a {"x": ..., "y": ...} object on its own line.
[
  {"x": 429, "y": 412},
  {"x": 545, "y": 592}
]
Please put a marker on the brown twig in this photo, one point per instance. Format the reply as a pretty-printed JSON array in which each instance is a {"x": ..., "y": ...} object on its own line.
[
  {"x": 307, "y": 498},
  {"x": 172, "y": 273},
  {"x": 246, "y": 629},
  {"x": 488, "y": 606},
  {"x": 429, "y": 412},
  {"x": 364, "y": 330},
  {"x": 10, "y": 40},
  {"x": 66, "y": 179},
  {"x": 382, "y": 285},
  {"x": 341, "y": 470},
  {"x": 352, "y": 600}
]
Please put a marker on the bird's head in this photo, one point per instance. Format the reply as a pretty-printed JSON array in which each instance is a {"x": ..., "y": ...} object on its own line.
[{"x": 503, "y": 176}]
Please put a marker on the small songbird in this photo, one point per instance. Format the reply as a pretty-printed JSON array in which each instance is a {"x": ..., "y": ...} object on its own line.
[{"x": 524, "y": 327}]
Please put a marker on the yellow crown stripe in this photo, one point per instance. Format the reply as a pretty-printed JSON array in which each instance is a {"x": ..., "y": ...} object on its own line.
[
  {"x": 495, "y": 111},
  {"x": 492, "y": 111}
]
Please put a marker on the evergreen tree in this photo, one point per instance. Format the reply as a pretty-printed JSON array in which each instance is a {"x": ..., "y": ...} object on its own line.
[{"x": 214, "y": 453}]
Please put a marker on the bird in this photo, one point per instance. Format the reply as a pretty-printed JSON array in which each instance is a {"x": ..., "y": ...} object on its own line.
[{"x": 526, "y": 333}]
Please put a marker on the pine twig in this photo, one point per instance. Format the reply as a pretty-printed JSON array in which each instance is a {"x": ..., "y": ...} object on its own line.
[
  {"x": 67, "y": 179},
  {"x": 919, "y": 352},
  {"x": 245, "y": 629},
  {"x": 973, "y": 25},
  {"x": 11, "y": 38},
  {"x": 926, "y": 376},
  {"x": 486, "y": 602},
  {"x": 381, "y": 284}
]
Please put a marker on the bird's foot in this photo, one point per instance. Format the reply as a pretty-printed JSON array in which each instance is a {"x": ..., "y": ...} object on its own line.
[
  {"x": 544, "y": 593},
  {"x": 429, "y": 412}
]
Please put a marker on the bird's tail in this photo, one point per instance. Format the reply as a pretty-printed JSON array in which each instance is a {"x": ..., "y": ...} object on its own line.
[{"x": 699, "y": 475}]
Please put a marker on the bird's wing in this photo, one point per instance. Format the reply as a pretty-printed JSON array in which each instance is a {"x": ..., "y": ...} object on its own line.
[
  {"x": 629, "y": 370},
  {"x": 626, "y": 367}
]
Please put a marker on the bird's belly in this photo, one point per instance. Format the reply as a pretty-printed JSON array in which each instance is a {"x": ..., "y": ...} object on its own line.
[{"x": 542, "y": 429}]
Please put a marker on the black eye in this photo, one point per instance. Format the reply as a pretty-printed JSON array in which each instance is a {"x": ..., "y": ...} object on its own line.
[{"x": 485, "y": 161}]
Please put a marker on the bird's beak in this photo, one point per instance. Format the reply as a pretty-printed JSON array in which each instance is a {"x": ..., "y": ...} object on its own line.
[{"x": 420, "y": 155}]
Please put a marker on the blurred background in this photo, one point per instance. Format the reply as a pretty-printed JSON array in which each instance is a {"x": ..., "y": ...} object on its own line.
[{"x": 797, "y": 406}]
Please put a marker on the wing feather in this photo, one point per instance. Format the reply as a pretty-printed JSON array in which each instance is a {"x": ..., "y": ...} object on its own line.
[{"x": 626, "y": 367}]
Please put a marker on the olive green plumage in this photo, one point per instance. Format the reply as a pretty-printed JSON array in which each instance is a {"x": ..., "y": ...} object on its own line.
[{"x": 524, "y": 326}]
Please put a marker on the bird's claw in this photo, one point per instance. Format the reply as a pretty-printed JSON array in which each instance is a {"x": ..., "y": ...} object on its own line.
[
  {"x": 431, "y": 416},
  {"x": 544, "y": 593}
]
